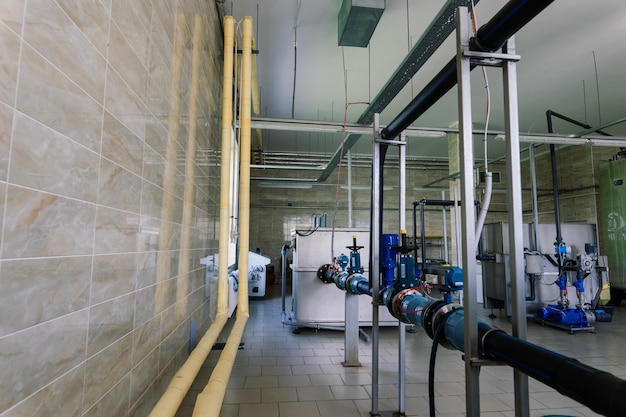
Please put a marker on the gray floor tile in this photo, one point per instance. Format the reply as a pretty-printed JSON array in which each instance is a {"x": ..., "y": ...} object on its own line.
[{"x": 300, "y": 375}]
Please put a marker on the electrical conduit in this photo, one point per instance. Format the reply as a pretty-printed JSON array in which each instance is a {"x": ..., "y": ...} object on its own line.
[
  {"x": 209, "y": 401},
  {"x": 180, "y": 384}
]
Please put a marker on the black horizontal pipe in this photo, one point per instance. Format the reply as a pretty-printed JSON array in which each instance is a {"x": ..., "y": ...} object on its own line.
[
  {"x": 601, "y": 391},
  {"x": 490, "y": 37}
]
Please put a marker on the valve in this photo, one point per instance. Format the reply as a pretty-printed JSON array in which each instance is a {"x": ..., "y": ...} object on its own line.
[{"x": 405, "y": 277}]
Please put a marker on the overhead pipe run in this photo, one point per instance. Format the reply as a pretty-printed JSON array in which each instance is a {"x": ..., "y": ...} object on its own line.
[{"x": 489, "y": 37}]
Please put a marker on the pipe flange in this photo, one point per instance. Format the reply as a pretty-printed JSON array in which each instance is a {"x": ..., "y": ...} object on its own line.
[
  {"x": 325, "y": 273},
  {"x": 429, "y": 317},
  {"x": 439, "y": 316}
]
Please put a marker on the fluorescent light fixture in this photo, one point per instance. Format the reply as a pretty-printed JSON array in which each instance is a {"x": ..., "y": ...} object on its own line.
[
  {"x": 561, "y": 140},
  {"x": 418, "y": 133},
  {"x": 269, "y": 184}
]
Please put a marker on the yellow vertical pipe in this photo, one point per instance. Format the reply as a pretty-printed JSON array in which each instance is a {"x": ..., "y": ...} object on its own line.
[
  {"x": 256, "y": 109},
  {"x": 209, "y": 401},
  {"x": 180, "y": 384},
  {"x": 244, "y": 167},
  {"x": 182, "y": 287},
  {"x": 227, "y": 125}
]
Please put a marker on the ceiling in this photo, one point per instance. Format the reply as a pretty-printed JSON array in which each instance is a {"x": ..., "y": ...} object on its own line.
[{"x": 573, "y": 62}]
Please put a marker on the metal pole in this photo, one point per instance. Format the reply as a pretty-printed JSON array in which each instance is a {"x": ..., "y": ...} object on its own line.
[
  {"x": 471, "y": 346},
  {"x": 375, "y": 260},
  {"x": 350, "y": 189},
  {"x": 351, "y": 308},
  {"x": 516, "y": 238},
  {"x": 402, "y": 326},
  {"x": 445, "y": 229}
]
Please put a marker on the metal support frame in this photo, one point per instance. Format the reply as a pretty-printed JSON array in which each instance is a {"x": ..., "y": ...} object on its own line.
[
  {"x": 402, "y": 326},
  {"x": 466, "y": 152},
  {"x": 375, "y": 233},
  {"x": 465, "y": 61}
]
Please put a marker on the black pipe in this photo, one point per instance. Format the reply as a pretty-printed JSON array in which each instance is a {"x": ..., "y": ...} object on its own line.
[
  {"x": 550, "y": 113},
  {"x": 601, "y": 391},
  {"x": 490, "y": 37},
  {"x": 555, "y": 196}
]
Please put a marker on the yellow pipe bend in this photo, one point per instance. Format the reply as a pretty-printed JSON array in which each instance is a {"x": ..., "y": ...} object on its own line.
[{"x": 209, "y": 401}]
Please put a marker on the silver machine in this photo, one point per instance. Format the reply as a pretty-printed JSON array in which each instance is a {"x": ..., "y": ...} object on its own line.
[{"x": 563, "y": 283}]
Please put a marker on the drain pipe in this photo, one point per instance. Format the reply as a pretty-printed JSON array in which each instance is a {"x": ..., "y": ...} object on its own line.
[
  {"x": 209, "y": 401},
  {"x": 176, "y": 391}
]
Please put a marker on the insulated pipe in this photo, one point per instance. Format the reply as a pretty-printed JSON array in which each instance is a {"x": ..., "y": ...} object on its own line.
[
  {"x": 244, "y": 167},
  {"x": 209, "y": 401},
  {"x": 489, "y": 37},
  {"x": 225, "y": 168},
  {"x": 601, "y": 391},
  {"x": 256, "y": 110},
  {"x": 174, "y": 394}
]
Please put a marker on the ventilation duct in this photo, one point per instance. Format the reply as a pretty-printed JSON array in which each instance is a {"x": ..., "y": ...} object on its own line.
[{"x": 358, "y": 20}]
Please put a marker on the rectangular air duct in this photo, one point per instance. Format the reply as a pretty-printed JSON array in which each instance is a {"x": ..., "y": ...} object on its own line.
[{"x": 358, "y": 20}]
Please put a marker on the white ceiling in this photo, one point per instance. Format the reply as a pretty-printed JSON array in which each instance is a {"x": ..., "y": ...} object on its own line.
[{"x": 573, "y": 61}]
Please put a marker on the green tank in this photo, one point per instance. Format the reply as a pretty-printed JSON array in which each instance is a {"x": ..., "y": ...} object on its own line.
[{"x": 613, "y": 210}]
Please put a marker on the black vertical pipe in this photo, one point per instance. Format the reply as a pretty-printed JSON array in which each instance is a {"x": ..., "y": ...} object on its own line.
[
  {"x": 423, "y": 233},
  {"x": 555, "y": 196},
  {"x": 415, "y": 203}
]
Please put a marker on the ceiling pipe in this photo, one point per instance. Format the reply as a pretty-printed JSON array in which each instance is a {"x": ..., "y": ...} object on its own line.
[
  {"x": 438, "y": 31},
  {"x": 489, "y": 38}
]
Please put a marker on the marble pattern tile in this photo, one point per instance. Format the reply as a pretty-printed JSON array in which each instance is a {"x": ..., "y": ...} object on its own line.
[
  {"x": 124, "y": 104},
  {"x": 116, "y": 402},
  {"x": 145, "y": 305},
  {"x": 118, "y": 187},
  {"x": 9, "y": 52},
  {"x": 63, "y": 397},
  {"x": 142, "y": 375},
  {"x": 40, "y": 224},
  {"x": 109, "y": 322},
  {"x": 6, "y": 124},
  {"x": 113, "y": 276},
  {"x": 115, "y": 231},
  {"x": 51, "y": 287},
  {"x": 123, "y": 59},
  {"x": 83, "y": 133},
  {"x": 33, "y": 358},
  {"x": 106, "y": 368},
  {"x": 45, "y": 24},
  {"x": 146, "y": 338},
  {"x": 132, "y": 27},
  {"x": 12, "y": 14},
  {"x": 91, "y": 17},
  {"x": 3, "y": 191},
  {"x": 121, "y": 146},
  {"x": 73, "y": 113},
  {"x": 75, "y": 173}
]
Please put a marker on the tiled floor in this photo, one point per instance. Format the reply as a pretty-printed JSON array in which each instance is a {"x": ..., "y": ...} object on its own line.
[{"x": 282, "y": 374}]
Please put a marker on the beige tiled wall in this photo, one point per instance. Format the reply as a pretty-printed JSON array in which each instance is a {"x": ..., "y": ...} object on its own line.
[{"x": 89, "y": 323}]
